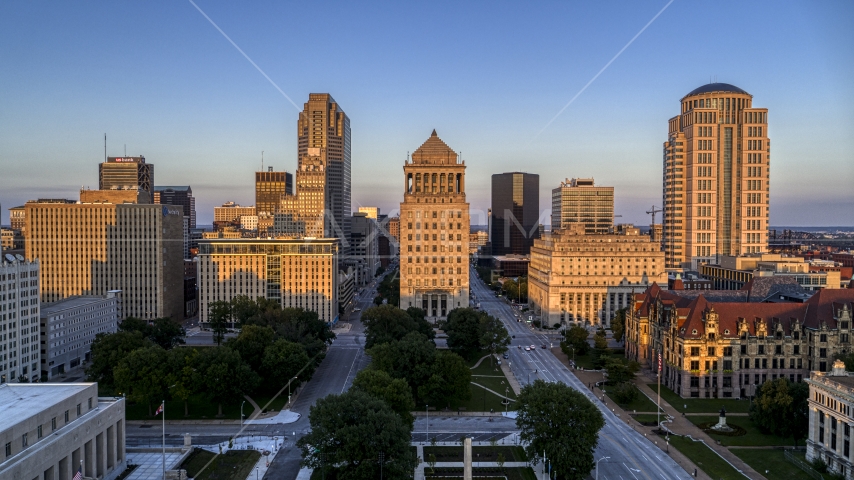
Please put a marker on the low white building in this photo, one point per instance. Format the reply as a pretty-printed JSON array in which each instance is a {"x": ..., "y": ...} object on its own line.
[
  {"x": 831, "y": 416},
  {"x": 48, "y": 429},
  {"x": 68, "y": 328},
  {"x": 19, "y": 319}
]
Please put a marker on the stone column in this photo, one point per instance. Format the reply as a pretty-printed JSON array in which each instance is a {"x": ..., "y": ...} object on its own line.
[
  {"x": 120, "y": 441},
  {"x": 467, "y": 459},
  {"x": 101, "y": 454},
  {"x": 89, "y": 459},
  {"x": 111, "y": 446}
]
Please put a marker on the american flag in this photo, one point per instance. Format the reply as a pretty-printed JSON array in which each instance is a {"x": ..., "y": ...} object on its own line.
[
  {"x": 79, "y": 474},
  {"x": 160, "y": 409},
  {"x": 659, "y": 361}
]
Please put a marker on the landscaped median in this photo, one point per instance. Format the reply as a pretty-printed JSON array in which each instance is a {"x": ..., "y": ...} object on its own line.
[
  {"x": 704, "y": 457},
  {"x": 231, "y": 465}
]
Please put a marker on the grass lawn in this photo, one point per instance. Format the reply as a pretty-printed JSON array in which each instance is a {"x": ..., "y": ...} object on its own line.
[
  {"x": 641, "y": 404},
  {"x": 483, "y": 473},
  {"x": 705, "y": 459},
  {"x": 198, "y": 459},
  {"x": 199, "y": 408},
  {"x": 231, "y": 465},
  {"x": 487, "y": 454},
  {"x": 648, "y": 418},
  {"x": 772, "y": 461},
  {"x": 752, "y": 438},
  {"x": 701, "y": 405},
  {"x": 493, "y": 378}
]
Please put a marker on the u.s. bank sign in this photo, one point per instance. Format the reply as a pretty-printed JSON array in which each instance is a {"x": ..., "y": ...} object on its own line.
[{"x": 167, "y": 211}]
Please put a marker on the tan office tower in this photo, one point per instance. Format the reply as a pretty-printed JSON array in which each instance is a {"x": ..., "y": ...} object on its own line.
[
  {"x": 93, "y": 248},
  {"x": 302, "y": 214},
  {"x": 323, "y": 125},
  {"x": 434, "y": 231},
  {"x": 270, "y": 187},
  {"x": 579, "y": 201},
  {"x": 716, "y": 173},
  {"x": 127, "y": 173},
  {"x": 373, "y": 212},
  {"x": 294, "y": 273}
]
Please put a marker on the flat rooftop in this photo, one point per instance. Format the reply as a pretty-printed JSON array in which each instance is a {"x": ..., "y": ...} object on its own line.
[
  {"x": 71, "y": 302},
  {"x": 20, "y": 401}
]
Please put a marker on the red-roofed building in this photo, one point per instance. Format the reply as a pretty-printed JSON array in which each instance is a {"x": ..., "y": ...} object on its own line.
[{"x": 718, "y": 345}]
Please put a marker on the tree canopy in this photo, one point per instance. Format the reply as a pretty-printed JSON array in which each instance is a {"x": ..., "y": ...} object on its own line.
[
  {"x": 227, "y": 376},
  {"x": 472, "y": 332},
  {"x": 560, "y": 421},
  {"x": 141, "y": 375},
  {"x": 348, "y": 434},
  {"x": 394, "y": 391},
  {"x": 108, "y": 350},
  {"x": 618, "y": 324},
  {"x": 163, "y": 331},
  {"x": 781, "y": 408},
  {"x": 577, "y": 337},
  {"x": 387, "y": 323}
]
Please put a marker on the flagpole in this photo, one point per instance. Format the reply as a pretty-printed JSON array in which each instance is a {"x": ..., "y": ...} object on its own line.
[
  {"x": 163, "y": 411},
  {"x": 658, "y": 410}
]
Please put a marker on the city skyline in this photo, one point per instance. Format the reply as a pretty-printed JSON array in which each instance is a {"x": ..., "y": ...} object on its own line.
[{"x": 178, "y": 93}]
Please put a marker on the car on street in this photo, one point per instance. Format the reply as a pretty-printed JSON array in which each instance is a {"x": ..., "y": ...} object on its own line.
[
  {"x": 506, "y": 355},
  {"x": 544, "y": 346},
  {"x": 533, "y": 347},
  {"x": 527, "y": 349}
]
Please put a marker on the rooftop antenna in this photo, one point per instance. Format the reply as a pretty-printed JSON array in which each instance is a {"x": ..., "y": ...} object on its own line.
[
  {"x": 262, "y": 160},
  {"x": 105, "y": 148},
  {"x": 126, "y": 149}
]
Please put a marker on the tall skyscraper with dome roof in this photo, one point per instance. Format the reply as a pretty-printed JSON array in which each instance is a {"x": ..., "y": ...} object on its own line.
[
  {"x": 715, "y": 178},
  {"x": 434, "y": 231}
]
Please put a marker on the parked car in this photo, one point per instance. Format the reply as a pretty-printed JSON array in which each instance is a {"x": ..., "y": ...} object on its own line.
[{"x": 506, "y": 355}]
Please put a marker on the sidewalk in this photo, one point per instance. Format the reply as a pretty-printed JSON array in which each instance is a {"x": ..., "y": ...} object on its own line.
[{"x": 682, "y": 426}]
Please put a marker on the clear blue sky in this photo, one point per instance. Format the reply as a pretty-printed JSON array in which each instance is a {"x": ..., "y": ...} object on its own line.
[{"x": 488, "y": 76}]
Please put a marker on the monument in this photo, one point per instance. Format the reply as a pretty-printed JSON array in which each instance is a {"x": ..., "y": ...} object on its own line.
[{"x": 721, "y": 426}]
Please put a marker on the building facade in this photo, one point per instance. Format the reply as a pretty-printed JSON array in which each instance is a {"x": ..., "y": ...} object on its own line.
[
  {"x": 323, "y": 125},
  {"x": 716, "y": 176},
  {"x": 515, "y": 212},
  {"x": 734, "y": 272},
  {"x": 230, "y": 211},
  {"x": 270, "y": 187},
  {"x": 127, "y": 173},
  {"x": 17, "y": 218},
  {"x": 724, "y": 344},
  {"x": 831, "y": 419},
  {"x": 306, "y": 213},
  {"x": 364, "y": 244},
  {"x": 372, "y": 212},
  {"x": 19, "y": 312},
  {"x": 181, "y": 195},
  {"x": 578, "y": 277},
  {"x": 93, "y": 248},
  {"x": 298, "y": 273},
  {"x": 579, "y": 201},
  {"x": 434, "y": 231},
  {"x": 52, "y": 430},
  {"x": 68, "y": 328}
]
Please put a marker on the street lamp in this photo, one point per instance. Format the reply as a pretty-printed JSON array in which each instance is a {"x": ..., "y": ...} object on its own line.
[
  {"x": 597, "y": 466},
  {"x": 241, "y": 413},
  {"x": 289, "y": 390}
]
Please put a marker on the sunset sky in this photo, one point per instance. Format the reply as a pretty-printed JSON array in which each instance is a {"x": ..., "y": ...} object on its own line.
[{"x": 160, "y": 78}]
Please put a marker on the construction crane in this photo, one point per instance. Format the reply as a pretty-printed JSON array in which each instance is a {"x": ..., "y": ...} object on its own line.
[{"x": 652, "y": 212}]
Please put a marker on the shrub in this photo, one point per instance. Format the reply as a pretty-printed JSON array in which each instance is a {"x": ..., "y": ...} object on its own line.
[{"x": 625, "y": 393}]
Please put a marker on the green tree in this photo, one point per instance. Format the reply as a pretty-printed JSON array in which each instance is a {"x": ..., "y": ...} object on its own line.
[
  {"x": 625, "y": 393},
  {"x": 182, "y": 373},
  {"x": 411, "y": 359},
  {"x": 225, "y": 377},
  {"x": 251, "y": 344},
  {"x": 348, "y": 434},
  {"x": 599, "y": 341},
  {"x": 560, "y": 421},
  {"x": 167, "y": 333},
  {"x": 781, "y": 408},
  {"x": 620, "y": 371},
  {"x": 394, "y": 391},
  {"x": 107, "y": 350},
  {"x": 577, "y": 337},
  {"x": 378, "y": 300},
  {"x": 618, "y": 324},
  {"x": 133, "y": 324},
  {"x": 281, "y": 362},
  {"x": 494, "y": 337},
  {"x": 449, "y": 381},
  {"x": 142, "y": 376},
  {"x": 219, "y": 316},
  {"x": 302, "y": 327},
  {"x": 387, "y": 323},
  {"x": 244, "y": 310},
  {"x": 464, "y": 331}
]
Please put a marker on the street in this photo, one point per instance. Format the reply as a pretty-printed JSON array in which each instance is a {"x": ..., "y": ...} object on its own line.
[{"x": 631, "y": 455}]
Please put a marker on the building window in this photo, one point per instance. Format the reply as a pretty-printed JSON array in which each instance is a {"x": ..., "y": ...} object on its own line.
[
  {"x": 53, "y": 424},
  {"x": 761, "y": 350},
  {"x": 24, "y": 441},
  {"x": 66, "y": 416},
  {"x": 90, "y": 403},
  {"x": 78, "y": 409},
  {"x": 39, "y": 431},
  {"x": 8, "y": 449},
  {"x": 711, "y": 351},
  {"x": 695, "y": 351}
]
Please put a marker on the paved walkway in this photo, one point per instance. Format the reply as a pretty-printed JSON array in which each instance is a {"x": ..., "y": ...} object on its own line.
[
  {"x": 479, "y": 362},
  {"x": 150, "y": 464},
  {"x": 491, "y": 391},
  {"x": 682, "y": 426},
  {"x": 419, "y": 471},
  {"x": 511, "y": 378}
]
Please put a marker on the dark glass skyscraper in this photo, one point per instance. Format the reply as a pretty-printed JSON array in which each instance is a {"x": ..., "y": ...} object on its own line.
[{"x": 515, "y": 212}]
